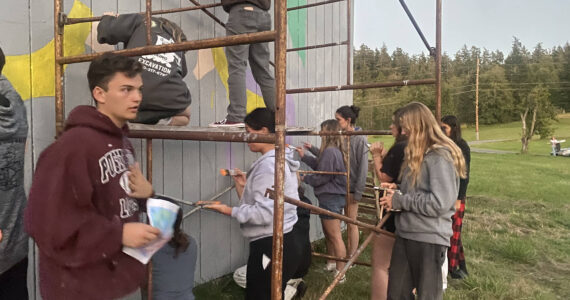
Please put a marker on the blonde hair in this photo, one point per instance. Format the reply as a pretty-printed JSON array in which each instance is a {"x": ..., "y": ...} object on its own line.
[
  {"x": 425, "y": 134},
  {"x": 331, "y": 125}
]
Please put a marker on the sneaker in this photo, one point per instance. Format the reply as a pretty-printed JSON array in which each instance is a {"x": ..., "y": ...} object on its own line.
[
  {"x": 226, "y": 123},
  {"x": 458, "y": 274},
  {"x": 290, "y": 292},
  {"x": 330, "y": 267},
  {"x": 165, "y": 121},
  {"x": 301, "y": 289},
  {"x": 342, "y": 279}
]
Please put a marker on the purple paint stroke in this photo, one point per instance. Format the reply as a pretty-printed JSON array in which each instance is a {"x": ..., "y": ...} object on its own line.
[
  {"x": 250, "y": 82},
  {"x": 290, "y": 113}
]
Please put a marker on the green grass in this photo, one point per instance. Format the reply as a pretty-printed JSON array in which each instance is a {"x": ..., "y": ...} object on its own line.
[
  {"x": 516, "y": 230},
  {"x": 511, "y": 133}
]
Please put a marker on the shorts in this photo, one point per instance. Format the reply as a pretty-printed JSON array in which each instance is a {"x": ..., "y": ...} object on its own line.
[{"x": 332, "y": 202}]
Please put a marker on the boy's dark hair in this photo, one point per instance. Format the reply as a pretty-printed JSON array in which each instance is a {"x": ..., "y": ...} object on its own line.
[
  {"x": 2, "y": 60},
  {"x": 349, "y": 112},
  {"x": 259, "y": 118},
  {"x": 104, "y": 67},
  {"x": 453, "y": 123}
]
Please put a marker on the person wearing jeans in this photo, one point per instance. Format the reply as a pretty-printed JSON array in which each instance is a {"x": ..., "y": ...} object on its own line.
[{"x": 247, "y": 17}]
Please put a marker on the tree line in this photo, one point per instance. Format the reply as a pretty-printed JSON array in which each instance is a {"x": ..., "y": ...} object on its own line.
[{"x": 530, "y": 86}]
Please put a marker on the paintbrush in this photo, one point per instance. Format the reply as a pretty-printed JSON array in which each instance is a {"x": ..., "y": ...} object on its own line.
[{"x": 229, "y": 172}]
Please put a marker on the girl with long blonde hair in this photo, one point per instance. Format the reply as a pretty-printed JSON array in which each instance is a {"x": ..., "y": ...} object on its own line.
[
  {"x": 329, "y": 189},
  {"x": 425, "y": 200}
]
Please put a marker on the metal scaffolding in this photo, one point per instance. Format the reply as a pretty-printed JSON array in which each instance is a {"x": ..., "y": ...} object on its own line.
[{"x": 279, "y": 36}]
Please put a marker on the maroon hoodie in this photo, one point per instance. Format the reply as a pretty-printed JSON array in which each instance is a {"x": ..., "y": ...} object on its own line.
[{"x": 77, "y": 208}]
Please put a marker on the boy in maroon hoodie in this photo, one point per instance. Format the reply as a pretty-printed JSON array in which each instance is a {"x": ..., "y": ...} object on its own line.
[{"x": 87, "y": 192}]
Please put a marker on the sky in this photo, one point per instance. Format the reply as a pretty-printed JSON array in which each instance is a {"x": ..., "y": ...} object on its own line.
[{"x": 487, "y": 24}]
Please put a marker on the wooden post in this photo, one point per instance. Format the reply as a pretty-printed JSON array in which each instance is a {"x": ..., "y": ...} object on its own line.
[{"x": 477, "y": 101}]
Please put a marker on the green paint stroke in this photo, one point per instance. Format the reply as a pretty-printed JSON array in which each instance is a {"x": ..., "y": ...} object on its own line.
[{"x": 297, "y": 22}]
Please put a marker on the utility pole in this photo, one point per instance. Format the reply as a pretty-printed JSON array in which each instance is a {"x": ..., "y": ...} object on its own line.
[{"x": 477, "y": 101}]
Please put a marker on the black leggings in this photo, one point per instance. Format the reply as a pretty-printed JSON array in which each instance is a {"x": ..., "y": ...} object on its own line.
[
  {"x": 258, "y": 280},
  {"x": 13, "y": 282}
]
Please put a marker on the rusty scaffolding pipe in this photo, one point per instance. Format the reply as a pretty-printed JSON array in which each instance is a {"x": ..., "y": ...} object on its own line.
[
  {"x": 360, "y": 86},
  {"x": 353, "y": 258},
  {"x": 280, "y": 15},
  {"x": 148, "y": 22},
  {"x": 429, "y": 48},
  {"x": 317, "y": 46},
  {"x": 71, "y": 21},
  {"x": 209, "y": 14},
  {"x": 316, "y": 254},
  {"x": 58, "y": 47},
  {"x": 350, "y": 133},
  {"x": 347, "y": 196},
  {"x": 258, "y": 37},
  {"x": 241, "y": 136},
  {"x": 322, "y": 172},
  {"x": 321, "y": 211},
  {"x": 349, "y": 39},
  {"x": 149, "y": 178}
]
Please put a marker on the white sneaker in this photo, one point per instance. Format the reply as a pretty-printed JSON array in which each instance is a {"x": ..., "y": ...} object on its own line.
[
  {"x": 165, "y": 121},
  {"x": 240, "y": 276},
  {"x": 330, "y": 267},
  {"x": 290, "y": 292},
  {"x": 226, "y": 123},
  {"x": 342, "y": 279}
]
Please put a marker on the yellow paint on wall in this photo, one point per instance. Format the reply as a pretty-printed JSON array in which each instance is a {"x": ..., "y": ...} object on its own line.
[
  {"x": 220, "y": 61},
  {"x": 33, "y": 75},
  {"x": 253, "y": 101},
  {"x": 221, "y": 64}
]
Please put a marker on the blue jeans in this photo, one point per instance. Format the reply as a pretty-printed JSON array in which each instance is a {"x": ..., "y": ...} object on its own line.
[{"x": 248, "y": 18}]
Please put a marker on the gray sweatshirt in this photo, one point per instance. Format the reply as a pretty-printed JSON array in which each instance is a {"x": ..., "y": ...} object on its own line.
[
  {"x": 330, "y": 160},
  {"x": 358, "y": 165},
  {"x": 427, "y": 207},
  {"x": 255, "y": 212},
  {"x": 13, "y": 134}
]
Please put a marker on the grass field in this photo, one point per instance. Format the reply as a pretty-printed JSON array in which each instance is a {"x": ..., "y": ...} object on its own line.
[{"x": 516, "y": 229}]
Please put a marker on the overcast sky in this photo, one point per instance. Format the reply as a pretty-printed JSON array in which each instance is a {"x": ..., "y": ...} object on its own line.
[{"x": 487, "y": 24}]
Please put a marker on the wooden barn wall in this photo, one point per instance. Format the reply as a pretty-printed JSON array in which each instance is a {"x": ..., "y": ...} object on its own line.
[{"x": 183, "y": 169}]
